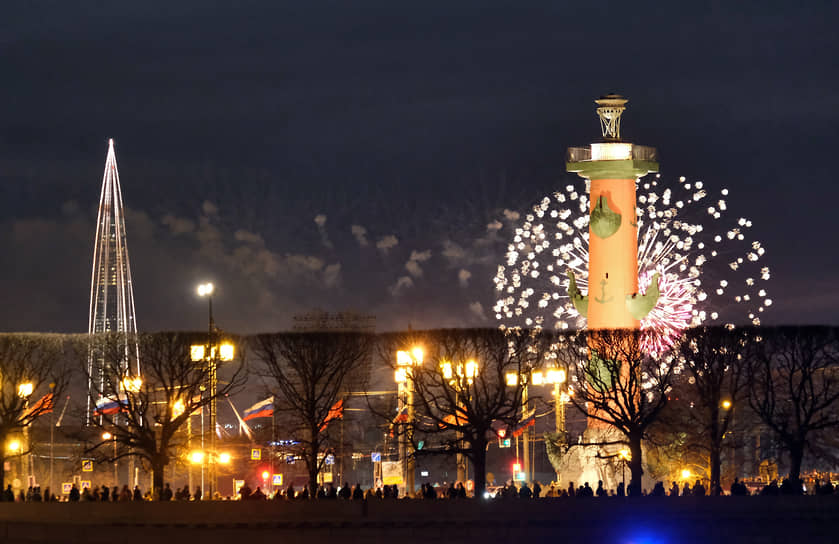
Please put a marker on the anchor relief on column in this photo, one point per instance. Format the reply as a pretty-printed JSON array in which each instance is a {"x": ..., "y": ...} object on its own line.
[{"x": 638, "y": 305}]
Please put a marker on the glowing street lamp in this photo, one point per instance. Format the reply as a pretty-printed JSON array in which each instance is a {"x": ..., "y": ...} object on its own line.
[
  {"x": 178, "y": 408},
  {"x": 196, "y": 457},
  {"x": 471, "y": 368},
  {"x": 14, "y": 447},
  {"x": 226, "y": 351},
  {"x": 625, "y": 455},
  {"x": 726, "y": 404},
  {"x": 132, "y": 385},
  {"x": 223, "y": 352},
  {"x": 196, "y": 353},
  {"x": 224, "y": 458},
  {"x": 25, "y": 390},
  {"x": 685, "y": 474},
  {"x": 414, "y": 357},
  {"x": 556, "y": 376},
  {"x": 205, "y": 290},
  {"x": 467, "y": 371}
]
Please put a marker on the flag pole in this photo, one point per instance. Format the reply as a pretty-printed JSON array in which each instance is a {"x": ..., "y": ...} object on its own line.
[
  {"x": 52, "y": 446},
  {"x": 273, "y": 444}
]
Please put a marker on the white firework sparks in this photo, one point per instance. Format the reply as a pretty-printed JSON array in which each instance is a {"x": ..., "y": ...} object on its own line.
[{"x": 708, "y": 267}]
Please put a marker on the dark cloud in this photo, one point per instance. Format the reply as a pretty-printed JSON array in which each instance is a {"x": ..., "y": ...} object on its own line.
[{"x": 411, "y": 127}]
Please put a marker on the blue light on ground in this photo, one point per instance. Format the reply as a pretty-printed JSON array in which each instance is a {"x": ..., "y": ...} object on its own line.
[{"x": 645, "y": 535}]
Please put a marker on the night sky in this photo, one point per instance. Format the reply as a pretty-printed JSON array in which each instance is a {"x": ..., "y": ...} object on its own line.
[{"x": 351, "y": 155}]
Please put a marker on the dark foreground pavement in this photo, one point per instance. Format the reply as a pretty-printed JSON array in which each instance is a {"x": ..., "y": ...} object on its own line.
[{"x": 612, "y": 521}]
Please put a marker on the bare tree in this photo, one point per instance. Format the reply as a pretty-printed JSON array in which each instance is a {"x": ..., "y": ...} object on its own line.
[
  {"x": 309, "y": 373},
  {"x": 460, "y": 393},
  {"x": 616, "y": 383},
  {"x": 715, "y": 360},
  {"x": 33, "y": 373},
  {"x": 794, "y": 387},
  {"x": 147, "y": 412}
]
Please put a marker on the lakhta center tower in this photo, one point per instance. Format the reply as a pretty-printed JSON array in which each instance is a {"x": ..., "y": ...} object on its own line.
[{"x": 111, "y": 292}]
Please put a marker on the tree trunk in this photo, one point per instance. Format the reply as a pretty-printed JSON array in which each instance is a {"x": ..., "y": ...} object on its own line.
[
  {"x": 313, "y": 476},
  {"x": 479, "y": 459},
  {"x": 796, "y": 455},
  {"x": 716, "y": 488},
  {"x": 157, "y": 468},
  {"x": 714, "y": 447},
  {"x": 3, "y": 438},
  {"x": 312, "y": 465},
  {"x": 635, "y": 466},
  {"x": 2, "y": 466}
]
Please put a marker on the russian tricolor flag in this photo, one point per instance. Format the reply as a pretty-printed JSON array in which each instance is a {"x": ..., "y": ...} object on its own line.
[
  {"x": 264, "y": 408},
  {"x": 402, "y": 415},
  {"x": 106, "y": 406},
  {"x": 528, "y": 420}
]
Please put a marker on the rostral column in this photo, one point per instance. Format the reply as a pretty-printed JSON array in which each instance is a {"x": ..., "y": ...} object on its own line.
[{"x": 612, "y": 168}]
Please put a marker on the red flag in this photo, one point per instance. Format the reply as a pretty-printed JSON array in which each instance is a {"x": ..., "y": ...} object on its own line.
[
  {"x": 336, "y": 412},
  {"x": 42, "y": 406},
  {"x": 528, "y": 420},
  {"x": 453, "y": 420}
]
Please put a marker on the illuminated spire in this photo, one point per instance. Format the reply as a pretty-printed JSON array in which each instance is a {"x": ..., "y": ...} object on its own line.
[{"x": 111, "y": 288}]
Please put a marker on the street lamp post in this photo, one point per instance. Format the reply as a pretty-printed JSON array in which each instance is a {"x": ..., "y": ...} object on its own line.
[
  {"x": 405, "y": 363},
  {"x": 728, "y": 412},
  {"x": 625, "y": 455},
  {"x": 24, "y": 391},
  {"x": 558, "y": 377},
  {"x": 189, "y": 484},
  {"x": 132, "y": 385},
  {"x": 52, "y": 436},
  {"x": 727, "y": 405},
  {"x": 553, "y": 376},
  {"x": 108, "y": 436},
  {"x": 206, "y": 290},
  {"x": 15, "y": 447},
  {"x": 526, "y": 435},
  {"x": 465, "y": 376},
  {"x": 212, "y": 353}
]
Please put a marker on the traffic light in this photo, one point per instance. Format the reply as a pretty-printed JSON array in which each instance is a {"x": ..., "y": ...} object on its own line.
[{"x": 503, "y": 441}]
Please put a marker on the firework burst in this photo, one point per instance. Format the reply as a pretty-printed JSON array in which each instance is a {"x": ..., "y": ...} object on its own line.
[{"x": 708, "y": 270}]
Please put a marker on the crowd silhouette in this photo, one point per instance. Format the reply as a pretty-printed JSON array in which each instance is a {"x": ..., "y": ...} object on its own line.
[{"x": 450, "y": 491}]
